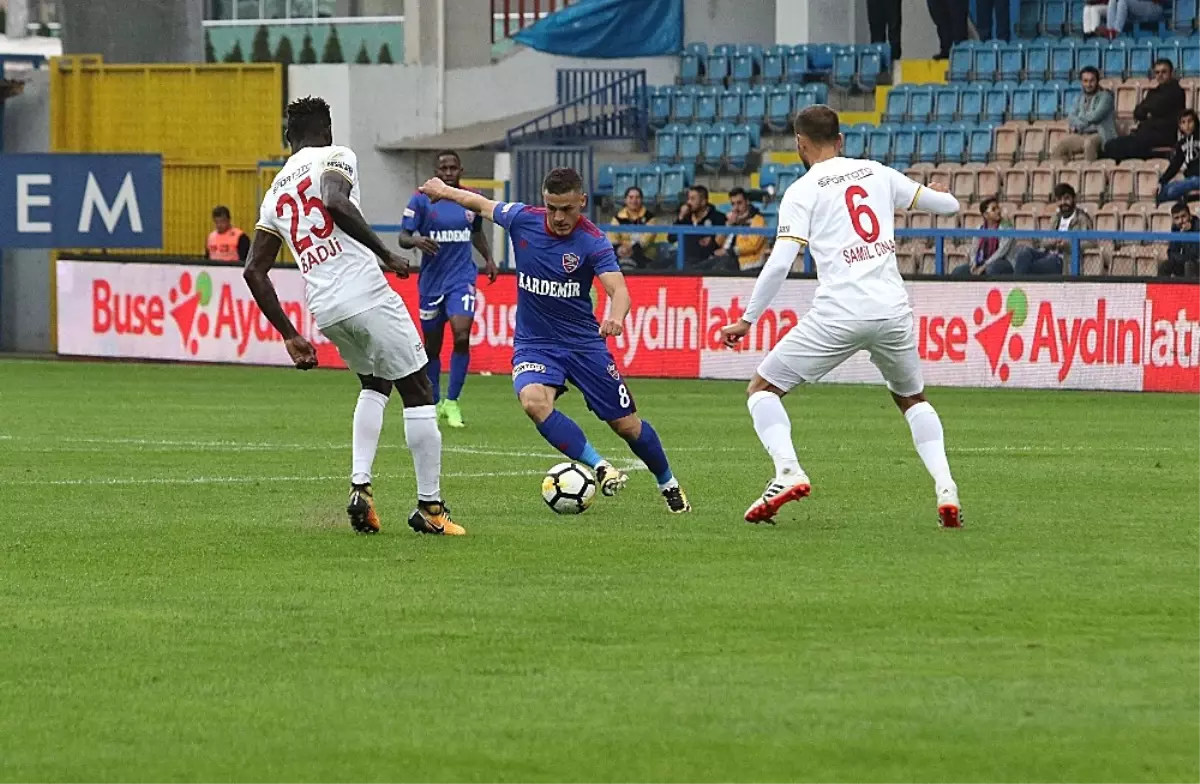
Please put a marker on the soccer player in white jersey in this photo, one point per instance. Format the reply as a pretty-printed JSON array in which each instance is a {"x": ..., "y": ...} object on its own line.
[
  {"x": 313, "y": 206},
  {"x": 843, "y": 210}
]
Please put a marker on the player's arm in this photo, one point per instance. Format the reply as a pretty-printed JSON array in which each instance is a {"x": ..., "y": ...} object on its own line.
[
  {"x": 480, "y": 243},
  {"x": 335, "y": 193},
  {"x": 773, "y": 274},
  {"x": 911, "y": 195},
  {"x": 619, "y": 303},
  {"x": 263, "y": 251},
  {"x": 414, "y": 214},
  {"x": 435, "y": 189}
]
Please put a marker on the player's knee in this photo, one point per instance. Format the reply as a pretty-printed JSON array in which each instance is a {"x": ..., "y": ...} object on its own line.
[
  {"x": 376, "y": 384},
  {"x": 537, "y": 403},
  {"x": 462, "y": 341},
  {"x": 415, "y": 389},
  {"x": 905, "y": 402},
  {"x": 627, "y": 427},
  {"x": 760, "y": 384}
]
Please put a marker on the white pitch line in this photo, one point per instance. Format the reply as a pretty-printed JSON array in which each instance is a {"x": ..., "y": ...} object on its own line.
[{"x": 241, "y": 480}]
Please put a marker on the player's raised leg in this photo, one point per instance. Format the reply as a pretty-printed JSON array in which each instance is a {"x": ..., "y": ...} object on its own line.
[{"x": 460, "y": 362}]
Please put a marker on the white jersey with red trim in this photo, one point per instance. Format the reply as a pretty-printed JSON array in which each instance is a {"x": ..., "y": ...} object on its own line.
[
  {"x": 342, "y": 278},
  {"x": 843, "y": 208}
]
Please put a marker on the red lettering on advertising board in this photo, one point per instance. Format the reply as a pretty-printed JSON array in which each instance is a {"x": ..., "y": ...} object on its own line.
[{"x": 1172, "y": 338}]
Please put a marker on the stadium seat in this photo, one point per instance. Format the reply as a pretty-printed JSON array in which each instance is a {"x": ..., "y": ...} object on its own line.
[
  {"x": 1184, "y": 21},
  {"x": 1069, "y": 175},
  {"x": 650, "y": 181},
  {"x": 986, "y": 63},
  {"x": 1120, "y": 183},
  {"x": 920, "y": 104},
  {"x": 1141, "y": 56},
  {"x": 1095, "y": 183},
  {"x": 970, "y": 103},
  {"x": 1054, "y": 18},
  {"x": 1022, "y": 105},
  {"x": 737, "y": 148},
  {"x": 855, "y": 144},
  {"x": 1088, "y": 55},
  {"x": 683, "y": 104},
  {"x": 768, "y": 174},
  {"x": 797, "y": 63},
  {"x": 1054, "y": 134},
  {"x": 666, "y": 146},
  {"x": 1189, "y": 58},
  {"x": 624, "y": 178},
  {"x": 870, "y": 65},
  {"x": 1007, "y": 142},
  {"x": 1029, "y": 19},
  {"x": 1033, "y": 142},
  {"x": 821, "y": 56},
  {"x": 845, "y": 65},
  {"x": 904, "y": 147},
  {"x": 1074, "y": 17},
  {"x": 1126, "y": 99},
  {"x": 879, "y": 143},
  {"x": 989, "y": 183},
  {"x": 712, "y": 149},
  {"x": 802, "y": 97},
  {"x": 1046, "y": 102},
  {"x": 962, "y": 185},
  {"x": 962, "y": 62},
  {"x": 979, "y": 144},
  {"x": 929, "y": 145},
  {"x": 954, "y": 146},
  {"x": 1116, "y": 59},
  {"x": 1170, "y": 51},
  {"x": 945, "y": 104},
  {"x": 1070, "y": 96},
  {"x": 995, "y": 104},
  {"x": 674, "y": 181},
  {"x": 754, "y": 107},
  {"x": 689, "y": 144},
  {"x": 1037, "y": 62},
  {"x": 779, "y": 108},
  {"x": 716, "y": 68},
  {"x": 1012, "y": 61},
  {"x": 690, "y": 68},
  {"x": 896, "y": 108},
  {"x": 789, "y": 175},
  {"x": 604, "y": 178},
  {"x": 729, "y": 106},
  {"x": 698, "y": 48},
  {"x": 1062, "y": 61},
  {"x": 775, "y": 63},
  {"x": 706, "y": 104}
]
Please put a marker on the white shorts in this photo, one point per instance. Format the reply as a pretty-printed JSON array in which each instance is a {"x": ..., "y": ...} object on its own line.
[
  {"x": 816, "y": 346},
  {"x": 380, "y": 342}
]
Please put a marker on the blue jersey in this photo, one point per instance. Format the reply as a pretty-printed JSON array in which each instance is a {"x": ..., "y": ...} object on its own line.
[
  {"x": 554, "y": 279},
  {"x": 451, "y": 225}
]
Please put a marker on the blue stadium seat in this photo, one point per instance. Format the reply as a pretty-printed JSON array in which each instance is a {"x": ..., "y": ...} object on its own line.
[
  {"x": 962, "y": 60},
  {"x": 870, "y": 65},
  {"x": 1185, "y": 17},
  {"x": 729, "y": 105},
  {"x": 802, "y": 97},
  {"x": 797, "y": 63},
  {"x": 666, "y": 146},
  {"x": 1116, "y": 59},
  {"x": 689, "y": 144},
  {"x": 945, "y": 104},
  {"x": 920, "y": 104},
  {"x": 754, "y": 107},
  {"x": 1169, "y": 50},
  {"x": 1189, "y": 59},
  {"x": 1062, "y": 61},
  {"x": 1089, "y": 54},
  {"x": 650, "y": 180},
  {"x": 716, "y": 68},
  {"x": 855, "y": 145},
  {"x": 1029, "y": 19},
  {"x": 698, "y": 48},
  {"x": 604, "y": 178},
  {"x": 706, "y": 104},
  {"x": 879, "y": 143},
  {"x": 674, "y": 181},
  {"x": 904, "y": 147},
  {"x": 690, "y": 68},
  {"x": 712, "y": 151},
  {"x": 1022, "y": 103},
  {"x": 1075, "y": 17},
  {"x": 1012, "y": 60},
  {"x": 768, "y": 174},
  {"x": 885, "y": 54},
  {"x": 1037, "y": 61},
  {"x": 1047, "y": 102},
  {"x": 987, "y": 63},
  {"x": 1141, "y": 56},
  {"x": 954, "y": 146},
  {"x": 738, "y": 148},
  {"x": 789, "y": 175},
  {"x": 683, "y": 104},
  {"x": 845, "y": 65},
  {"x": 896, "y": 108},
  {"x": 995, "y": 104},
  {"x": 660, "y": 105},
  {"x": 819, "y": 92},
  {"x": 624, "y": 178},
  {"x": 979, "y": 144},
  {"x": 1054, "y": 17},
  {"x": 742, "y": 68},
  {"x": 970, "y": 103},
  {"x": 726, "y": 49},
  {"x": 779, "y": 107},
  {"x": 775, "y": 63},
  {"x": 820, "y": 56},
  {"x": 929, "y": 145}
]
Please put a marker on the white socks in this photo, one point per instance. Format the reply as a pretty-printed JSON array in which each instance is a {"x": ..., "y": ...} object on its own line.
[
  {"x": 425, "y": 442},
  {"x": 368, "y": 423},
  {"x": 775, "y": 431},
  {"x": 931, "y": 446}
]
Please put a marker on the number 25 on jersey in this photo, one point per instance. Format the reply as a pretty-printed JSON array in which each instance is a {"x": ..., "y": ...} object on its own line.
[{"x": 301, "y": 213}]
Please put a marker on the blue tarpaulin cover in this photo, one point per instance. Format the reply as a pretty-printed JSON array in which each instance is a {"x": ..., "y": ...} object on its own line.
[{"x": 609, "y": 28}]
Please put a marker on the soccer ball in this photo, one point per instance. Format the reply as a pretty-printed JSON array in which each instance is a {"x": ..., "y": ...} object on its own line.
[{"x": 569, "y": 488}]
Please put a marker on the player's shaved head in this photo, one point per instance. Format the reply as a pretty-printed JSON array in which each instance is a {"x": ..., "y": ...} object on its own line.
[
  {"x": 562, "y": 193},
  {"x": 818, "y": 134},
  {"x": 308, "y": 123}
]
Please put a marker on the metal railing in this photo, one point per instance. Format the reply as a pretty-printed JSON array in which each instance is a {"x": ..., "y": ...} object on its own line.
[
  {"x": 617, "y": 109},
  {"x": 510, "y": 16}
]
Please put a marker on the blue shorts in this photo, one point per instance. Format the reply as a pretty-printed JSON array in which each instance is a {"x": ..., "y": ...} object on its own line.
[
  {"x": 458, "y": 301},
  {"x": 593, "y": 373}
]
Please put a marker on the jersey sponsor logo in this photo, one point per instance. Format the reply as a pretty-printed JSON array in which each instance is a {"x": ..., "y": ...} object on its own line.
[
  {"x": 570, "y": 262},
  {"x": 451, "y": 235},
  {"x": 837, "y": 179},
  {"x": 528, "y": 367},
  {"x": 783, "y": 229},
  {"x": 549, "y": 288},
  {"x": 280, "y": 184},
  {"x": 470, "y": 216},
  {"x": 341, "y": 166}
]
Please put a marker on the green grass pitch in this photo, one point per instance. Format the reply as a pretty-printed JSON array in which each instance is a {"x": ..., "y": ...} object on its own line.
[{"x": 182, "y": 599}]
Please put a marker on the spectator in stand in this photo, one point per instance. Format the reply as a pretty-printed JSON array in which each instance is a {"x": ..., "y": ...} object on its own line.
[
  {"x": 1091, "y": 120},
  {"x": 1048, "y": 258},
  {"x": 950, "y": 19},
  {"x": 739, "y": 252},
  {"x": 1187, "y": 158},
  {"x": 1157, "y": 116},
  {"x": 985, "y": 12},
  {"x": 696, "y": 211},
  {"x": 634, "y": 251},
  {"x": 1119, "y": 11},
  {"x": 883, "y": 20},
  {"x": 1183, "y": 258},
  {"x": 990, "y": 255},
  {"x": 226, "y": 242}
]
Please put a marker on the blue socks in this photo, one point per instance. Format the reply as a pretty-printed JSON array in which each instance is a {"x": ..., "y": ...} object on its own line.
[
  {"x": 650, "y": 451},
  {"x": 434, "y": 370},
  {"x": 458, "y": 374},
  {"x": 567, "y": 437}
]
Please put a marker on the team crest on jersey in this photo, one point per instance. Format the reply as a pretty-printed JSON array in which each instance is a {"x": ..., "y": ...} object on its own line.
[
  {"x": 470, "y": 216},
  {"x": 570, "y": 262},
  {"x": 612, "y": 371}
]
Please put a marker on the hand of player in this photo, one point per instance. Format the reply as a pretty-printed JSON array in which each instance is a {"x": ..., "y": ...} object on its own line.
[
  {"x": 434, "y": 188},
  {"x": 397, "y": 264},
  {"x": 732, "y": 333},
  {"x": 426, "y": 245},
  {"x": 301, "y": 351},
  {"x": 938, "y": 187},
  {"x": 491, "y": 270},
  {"x": 610, "y": 328}
]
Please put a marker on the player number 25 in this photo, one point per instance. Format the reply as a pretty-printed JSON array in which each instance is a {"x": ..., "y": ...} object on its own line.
[
  {"x": 311, "y": 203},
  {"x": 858, "y": 212}
]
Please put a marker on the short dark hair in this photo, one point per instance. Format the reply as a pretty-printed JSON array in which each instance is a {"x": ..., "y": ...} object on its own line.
[
  {"x": 562, "y": 180},
  {"x": 701, "y": 190},
  {"x": 448, "y": 154},
  {"x": 307, "y": 117},
  {"x": 739, "y": 191},
  {"x": 988, "y": 202},
  {"x": 1063, "y": 189},
  {"x": 1093, "y": 70},
  {"x": 819, "y": 123},
  {"x": 1180, "y": 206},
  {"x": 1166, "y": 62},
  {"x": 220, "y": 211},
  {"x": 1191, "y": 113},
  {"x": 633, "y": 188}
]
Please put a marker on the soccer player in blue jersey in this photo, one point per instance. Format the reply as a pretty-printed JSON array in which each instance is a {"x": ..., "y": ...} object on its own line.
[
  {"x": 446, "y": 286},
  {"x": 558, "y": 340}
]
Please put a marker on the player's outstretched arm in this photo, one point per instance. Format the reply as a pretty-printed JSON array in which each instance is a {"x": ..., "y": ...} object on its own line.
[
  {"x": 335, "y": 193},
  {"x": 774, "y": 272},
  {"x": 935, "y": 198},
  {"x": 435, "y": 189},
  {"x": 259, "y": 261},
  {"x": 619, "y": 303}
]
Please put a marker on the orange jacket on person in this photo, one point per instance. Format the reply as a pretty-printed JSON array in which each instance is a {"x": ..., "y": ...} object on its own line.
[{"x": 233, "y": 245}]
